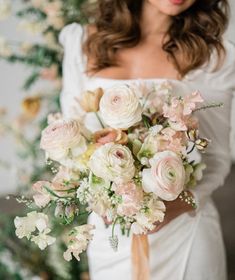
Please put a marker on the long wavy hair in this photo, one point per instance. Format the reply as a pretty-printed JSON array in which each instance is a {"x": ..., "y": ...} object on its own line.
[{"x": 195, "y": 33}]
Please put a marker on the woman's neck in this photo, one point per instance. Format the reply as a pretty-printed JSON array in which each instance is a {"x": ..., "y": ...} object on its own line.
[{"x": 153, "y": 22}]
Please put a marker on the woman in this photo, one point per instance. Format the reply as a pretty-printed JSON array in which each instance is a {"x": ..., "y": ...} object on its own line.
[{"x": 149, "y": 41}]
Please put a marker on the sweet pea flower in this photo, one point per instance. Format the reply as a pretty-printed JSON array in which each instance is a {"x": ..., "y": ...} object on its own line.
[{"x": 132, "y": 196}]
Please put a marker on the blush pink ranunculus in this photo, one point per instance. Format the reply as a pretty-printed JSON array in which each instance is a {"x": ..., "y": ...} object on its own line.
[
  {"x": 132, "y": 196},
  {"x": 166, "y": 177}
]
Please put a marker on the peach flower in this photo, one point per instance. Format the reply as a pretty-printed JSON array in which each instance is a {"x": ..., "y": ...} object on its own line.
[{"x": 108, "y": 135}]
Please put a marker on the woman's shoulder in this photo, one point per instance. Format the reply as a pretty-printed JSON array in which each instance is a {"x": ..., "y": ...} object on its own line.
[
  {"x": 229, "y": 60},
  {"x": 218, "y": 64},
  {"x": 218, "y": 73}
]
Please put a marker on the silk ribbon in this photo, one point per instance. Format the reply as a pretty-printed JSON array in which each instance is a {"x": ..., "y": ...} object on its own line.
[{"x": 140, "y": 257}]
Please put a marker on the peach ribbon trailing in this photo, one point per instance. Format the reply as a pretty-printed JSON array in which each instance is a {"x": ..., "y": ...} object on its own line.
[{"x": 140, "y": 257}]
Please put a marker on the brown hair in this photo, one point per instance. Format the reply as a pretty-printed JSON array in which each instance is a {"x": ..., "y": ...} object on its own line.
[{"x": 195, "y": 33}]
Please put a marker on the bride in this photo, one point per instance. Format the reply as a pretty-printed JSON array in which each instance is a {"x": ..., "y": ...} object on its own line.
[{"x": 152, "y": 41}]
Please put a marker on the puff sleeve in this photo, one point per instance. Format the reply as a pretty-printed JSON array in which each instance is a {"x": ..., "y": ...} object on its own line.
[
  {"x": 72, "y": 82},
  {"x": 215, "y": 124}
]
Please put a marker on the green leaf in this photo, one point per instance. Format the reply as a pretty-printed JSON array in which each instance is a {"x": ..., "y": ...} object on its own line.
[{"x": 31, "y": 80}]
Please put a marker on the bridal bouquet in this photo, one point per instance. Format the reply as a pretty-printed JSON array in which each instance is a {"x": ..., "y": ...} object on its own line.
[{"x": 124, "y": 171}]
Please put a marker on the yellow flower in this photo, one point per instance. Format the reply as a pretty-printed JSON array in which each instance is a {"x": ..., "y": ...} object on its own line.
[
  {"x": 85, "y": 157},
  {"x": 31, "y": 106},
  {"x": 91, "y": 100}
]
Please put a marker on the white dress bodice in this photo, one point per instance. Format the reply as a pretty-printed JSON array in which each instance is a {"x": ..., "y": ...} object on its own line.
[{"x": 178, "y": 237}]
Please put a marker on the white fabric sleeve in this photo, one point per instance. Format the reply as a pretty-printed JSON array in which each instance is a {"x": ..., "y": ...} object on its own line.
[
  {"x": 216, "y": 125},
  {"x": 72, "y": 83}
]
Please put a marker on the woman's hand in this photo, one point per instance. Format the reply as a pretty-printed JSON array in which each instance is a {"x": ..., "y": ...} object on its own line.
[{"x": 173, "y": 209}]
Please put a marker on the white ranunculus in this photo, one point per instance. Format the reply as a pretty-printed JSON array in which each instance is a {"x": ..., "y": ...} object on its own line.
[
  {"x": 120, "y": 106},
  {"x": 166, "y": 177},
  {"x": 63, "y": 139},
  {"x": 113, "y": 162}
]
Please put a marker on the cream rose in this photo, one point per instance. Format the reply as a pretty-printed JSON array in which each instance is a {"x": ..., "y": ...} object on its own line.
[
  {"x": 62, "y": 138},
  {"x": 166, "y": 177},
  {"x": 120, "y": 106},
  {"x": 113, "y": 162}
]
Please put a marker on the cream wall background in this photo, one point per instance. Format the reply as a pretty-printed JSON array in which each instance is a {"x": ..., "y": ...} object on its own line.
[{"x": 11, "y": 77}]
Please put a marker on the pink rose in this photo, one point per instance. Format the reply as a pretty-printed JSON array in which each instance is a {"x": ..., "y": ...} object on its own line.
[
  {"x": 132, "y": 196},
  {"x": 166, "y": 177}
]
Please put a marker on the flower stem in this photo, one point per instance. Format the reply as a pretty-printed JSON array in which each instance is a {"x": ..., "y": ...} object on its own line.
[
  {"x": 113, "y": 226},
  {"x": 99, "y": 119},
  {"x": 213, "y": 105},
  {"x": 191, "y": 149}
]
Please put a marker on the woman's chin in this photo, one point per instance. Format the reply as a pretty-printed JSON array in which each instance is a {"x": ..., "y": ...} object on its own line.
[{"x": 172, "y": 7}]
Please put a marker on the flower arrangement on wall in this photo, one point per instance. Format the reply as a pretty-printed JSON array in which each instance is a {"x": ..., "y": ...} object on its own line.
[{"x": 42, "y": 55}]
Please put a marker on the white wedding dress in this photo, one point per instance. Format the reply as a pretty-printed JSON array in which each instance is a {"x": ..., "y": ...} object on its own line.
[{"x": 189, "y": 247}]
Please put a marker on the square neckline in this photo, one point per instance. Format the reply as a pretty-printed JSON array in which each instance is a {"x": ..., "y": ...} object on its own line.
[{"x": 155, "y": 79}]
